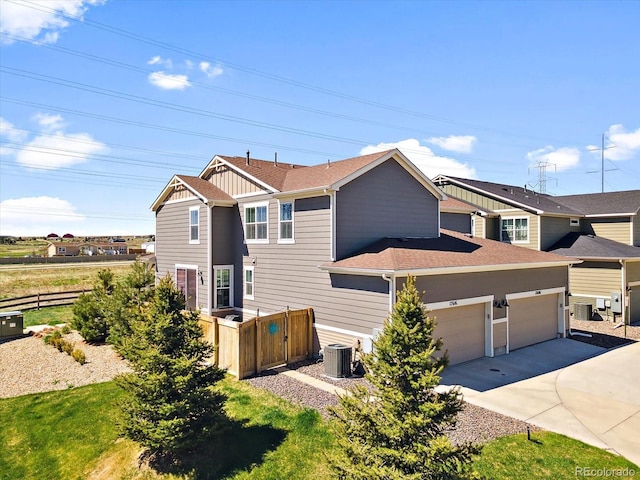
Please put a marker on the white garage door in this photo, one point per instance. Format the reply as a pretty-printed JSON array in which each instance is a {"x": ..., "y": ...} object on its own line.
[
  {"x": 532, "y": 320},
  {"x": 462, "y": 331}
]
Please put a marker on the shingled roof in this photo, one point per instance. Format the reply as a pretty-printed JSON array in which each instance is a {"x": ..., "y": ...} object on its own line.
[
  {"x": 452, "y": 205},
  {"x": 267, "y": 172},
  {"x": 608, "y": 203},
  {"x": 450, "y": 251},
  {"x": 522, "y": 196},
  {"x": 585, "y": 246},
  {"x": 206, "y": 189}
]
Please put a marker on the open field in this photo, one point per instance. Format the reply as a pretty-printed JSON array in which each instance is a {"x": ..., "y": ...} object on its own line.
[
  {"x": 25, "y": 247},
  {"x": 17, "y": 281}
]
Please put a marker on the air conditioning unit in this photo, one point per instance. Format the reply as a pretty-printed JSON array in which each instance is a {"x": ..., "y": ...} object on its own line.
[
  {"x": 337, "y": 361},
  {"x": 582, "y": 311},
  {"x": 11, "y": 324}
]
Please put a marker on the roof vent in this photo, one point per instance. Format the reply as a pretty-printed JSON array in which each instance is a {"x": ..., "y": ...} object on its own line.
[
  {"x": 328, "y": 162},
  {"x": 275, "y": 160},
  {"x": 248, "y": 153}
]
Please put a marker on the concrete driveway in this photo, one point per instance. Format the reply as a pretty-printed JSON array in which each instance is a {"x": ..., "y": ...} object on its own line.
[{"x": 564, "y": 386}]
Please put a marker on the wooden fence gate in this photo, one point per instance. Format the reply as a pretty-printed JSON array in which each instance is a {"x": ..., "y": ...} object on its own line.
[{"x": 246, "y": 348}]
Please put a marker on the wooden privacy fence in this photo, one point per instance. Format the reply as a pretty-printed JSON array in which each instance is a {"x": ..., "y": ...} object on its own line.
[{"x": 247, "y": 348}]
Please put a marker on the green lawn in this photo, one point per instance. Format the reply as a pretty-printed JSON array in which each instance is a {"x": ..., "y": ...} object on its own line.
[
  {"x": 71, "y": 435},
  {"x": 49, "y": 316}
]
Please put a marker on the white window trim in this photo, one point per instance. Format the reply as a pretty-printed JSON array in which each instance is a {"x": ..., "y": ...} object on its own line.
[
  {"x": 214, "y": 289},
  {"x": 253, "y": 283},
  {"x": 192, "y": 241},
  {"x": 293, "y": 226},
  {"x": 520, "y": 217},
  {"x": 185, "y": 266},
  {"x": 244, "y": 223}
]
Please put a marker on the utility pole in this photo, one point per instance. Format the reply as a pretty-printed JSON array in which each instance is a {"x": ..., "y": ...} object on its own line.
[
  {"x": 542, "y": 166},
  {"x": 602, "y": 170}
]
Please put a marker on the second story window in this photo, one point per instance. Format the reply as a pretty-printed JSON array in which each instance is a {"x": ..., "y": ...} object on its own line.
[
  {"x": 194, "y": 225},
  {"x": 255, "y": 219},
  {"x": 515, "y": 230},
  {"x": 286, "y": 222}
]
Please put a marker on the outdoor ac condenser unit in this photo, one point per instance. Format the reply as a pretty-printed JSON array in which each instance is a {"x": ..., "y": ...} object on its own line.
[
  {"x": 337, "y": 360},
  {"x": 582, "y": 311}
]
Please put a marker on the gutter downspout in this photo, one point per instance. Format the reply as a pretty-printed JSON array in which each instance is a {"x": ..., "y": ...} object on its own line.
[
  {"x": 623, "y": 292},
  {"x": 209, "y": 258},
  {"x": 392, "y": 289}
]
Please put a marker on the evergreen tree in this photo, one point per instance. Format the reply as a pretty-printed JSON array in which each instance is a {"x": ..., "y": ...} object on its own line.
[
  {"x": 90, "y": 309},
  {"x": 398, "y": 430},
  {"x": 170, "y": 406}
]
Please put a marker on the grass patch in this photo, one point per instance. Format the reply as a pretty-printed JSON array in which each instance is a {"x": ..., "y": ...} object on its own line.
[
  {"x": 24, "y": 247},
  {"x": 18, "y": 282},
  {"x": 71, "y": 434},
  {"x": 547, "y": 455},
  {"x": 48, "y": 316}
]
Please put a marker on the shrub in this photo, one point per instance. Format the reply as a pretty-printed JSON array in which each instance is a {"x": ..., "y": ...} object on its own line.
[
  {"x": 67, "y": 346},
  {"x": 66, "y": 329},
  {"x": 79, "y": 356}
]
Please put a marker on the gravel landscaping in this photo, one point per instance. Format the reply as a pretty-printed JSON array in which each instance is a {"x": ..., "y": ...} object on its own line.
[
  {"x": 475, "y": 424},
  {"x": 604, "y": 333},
  {"x": 28, "y": 365}
]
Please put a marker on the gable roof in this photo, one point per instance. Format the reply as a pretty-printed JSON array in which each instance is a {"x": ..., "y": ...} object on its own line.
[
  {"x": 608, "y": 203},
  {"x": 590, "y": 204},
  {"x": 586, "y": 246},
  {"x": 205, "y": 191},
  {"x": 290, "y": 178},
  {"x": 451, "y": 252},
  {"x": 520, "y": 197}
]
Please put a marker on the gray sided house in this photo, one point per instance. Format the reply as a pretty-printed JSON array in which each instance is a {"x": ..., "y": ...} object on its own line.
[
  {"x": 257, "y": 237},
  {"x": 601, "y": 229}
]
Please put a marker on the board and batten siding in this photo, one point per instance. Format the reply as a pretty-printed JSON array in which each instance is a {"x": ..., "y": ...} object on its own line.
[
  {"x": 482, "y": 201},
  {"x": 172, "y": 243},
  {"x": 287, "y": 275},
  {"x": 617, "y": 229},
  {"x": 384, "y": 202},
  {"x": 596, "y": 279},
  {"x": 232, "y": 182},
  {"x": 552, "y": 229}
]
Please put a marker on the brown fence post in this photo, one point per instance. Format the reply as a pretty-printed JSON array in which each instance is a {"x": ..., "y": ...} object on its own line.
[
  {"x": 38, "y": 301},
  {"x": 258, "y": 347}
]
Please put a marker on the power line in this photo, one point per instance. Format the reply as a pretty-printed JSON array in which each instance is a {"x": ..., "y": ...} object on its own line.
[{"x": 253, "y": 71}]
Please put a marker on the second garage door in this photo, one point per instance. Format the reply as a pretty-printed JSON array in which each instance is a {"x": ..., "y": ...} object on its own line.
[
  {"x": 532, "y": 320},
  {"x": 634, "y": 305},
  {"x": 462, "y": 331}
]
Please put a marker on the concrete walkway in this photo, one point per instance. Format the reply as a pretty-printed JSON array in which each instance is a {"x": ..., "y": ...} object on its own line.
[{"x": 596, "y": 400}]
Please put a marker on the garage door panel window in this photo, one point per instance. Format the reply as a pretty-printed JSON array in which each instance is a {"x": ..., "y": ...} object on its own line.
[{"x": 515, "y": 230}]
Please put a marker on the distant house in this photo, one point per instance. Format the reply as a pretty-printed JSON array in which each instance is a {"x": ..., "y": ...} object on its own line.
[
  {"x": 258, "y": 237},
  {"x": 68, "y": 236},
  {"x": 149, "y": 247},
  {"x": 601, "y": 229},
  {"x": 72, "y": 249}
]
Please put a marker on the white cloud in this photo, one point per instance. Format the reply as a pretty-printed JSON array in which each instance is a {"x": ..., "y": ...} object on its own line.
[
  {"x": 49, "y": 122},
  {"x": 563, "y": 158},
  {"x": 454, "y": 143},
  {"x": 424, "y": 158},
  {"x": 188, "y": 64},
  {"x": 58, "y": 150},
  {"x": 9, "y": 133},
  {"x": 626, "y": 145},
  {"x": 167, "y": 81},
  {"x": 37, "y": 216},
  {"x": 158, "y": 60},
  {"x": 40, "y": 21},
  {"x": 211, "y": 71}
]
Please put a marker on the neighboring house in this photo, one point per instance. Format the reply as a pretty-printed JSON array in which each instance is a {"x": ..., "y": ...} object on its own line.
[
  {"x": 259, "y": 237},
  {"x": 457, "y": 215},
  {"x": 72, "y": 249},
  {"x": 572, "y": 225},
  {"x": 149, "y": 247}
]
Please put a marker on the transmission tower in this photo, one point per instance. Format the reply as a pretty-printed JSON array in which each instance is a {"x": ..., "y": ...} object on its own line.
[{"x": 541, "y": 166}]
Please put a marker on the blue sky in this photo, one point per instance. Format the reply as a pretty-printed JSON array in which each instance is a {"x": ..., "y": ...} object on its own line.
[{"x": 102, "y": 102}]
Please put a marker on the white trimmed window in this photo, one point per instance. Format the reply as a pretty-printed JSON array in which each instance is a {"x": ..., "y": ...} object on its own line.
[
  {"x": 515, "y": 230},
  {"x": 62, "y": 250},
  {"x": 194, "y": 224},
  {"x": 223, "y": 296},
  {"x": 249, "y": 282},
  {"x": 285, "y": 220},
  {"x": 187, "y": 283},
  {"x": 256, "y": 223}
]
